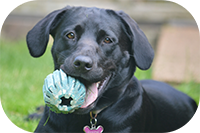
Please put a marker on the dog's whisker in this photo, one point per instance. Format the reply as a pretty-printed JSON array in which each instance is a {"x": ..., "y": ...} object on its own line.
[{"x": 105, "y": 97}]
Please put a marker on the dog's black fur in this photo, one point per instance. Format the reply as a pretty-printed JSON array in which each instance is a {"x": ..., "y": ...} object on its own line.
[{"x": 108, "y": 43}]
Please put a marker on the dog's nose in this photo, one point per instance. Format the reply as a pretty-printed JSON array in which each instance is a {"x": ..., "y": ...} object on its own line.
[{"x": 83, "y": 63}]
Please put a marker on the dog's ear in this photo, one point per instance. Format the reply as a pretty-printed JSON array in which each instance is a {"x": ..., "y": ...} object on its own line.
[
  {"x": 38, "y": 37},
  {"x": 141, "y": 49}
]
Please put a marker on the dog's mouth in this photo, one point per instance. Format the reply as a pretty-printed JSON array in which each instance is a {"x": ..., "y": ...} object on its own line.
[{"x": 93, "y": 90}]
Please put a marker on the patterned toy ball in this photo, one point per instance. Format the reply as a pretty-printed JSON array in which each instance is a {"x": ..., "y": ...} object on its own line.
[{"x": 62, "y": 93}]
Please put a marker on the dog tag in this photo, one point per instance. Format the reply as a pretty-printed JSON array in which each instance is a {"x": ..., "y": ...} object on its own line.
[
  {"x": 93, "y": 129},
  {"x": 87, "y": 129}
]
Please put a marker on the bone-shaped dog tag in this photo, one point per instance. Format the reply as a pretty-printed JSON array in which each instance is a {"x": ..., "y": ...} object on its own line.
[
  {"x": 87, "y": 129},
  {"x": 93, "y": 129}
]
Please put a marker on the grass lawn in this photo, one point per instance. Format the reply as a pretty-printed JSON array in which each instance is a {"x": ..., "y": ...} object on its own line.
[{"x": 22, "y": 78}]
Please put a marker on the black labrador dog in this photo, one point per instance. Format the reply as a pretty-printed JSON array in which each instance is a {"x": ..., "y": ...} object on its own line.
[{"x": 105, "y": 47}]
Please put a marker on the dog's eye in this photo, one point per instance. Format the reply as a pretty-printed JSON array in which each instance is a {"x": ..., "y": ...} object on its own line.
[
  {"x": 70, "y": 35},
  {"x": 107, "y": 40}
]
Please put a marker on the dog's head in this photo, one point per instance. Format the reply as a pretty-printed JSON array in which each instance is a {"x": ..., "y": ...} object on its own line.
[{"x": 99, "y": 47}]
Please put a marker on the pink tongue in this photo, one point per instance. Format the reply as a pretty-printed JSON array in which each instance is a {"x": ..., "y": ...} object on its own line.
[{"x": 91, "y": 95}]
